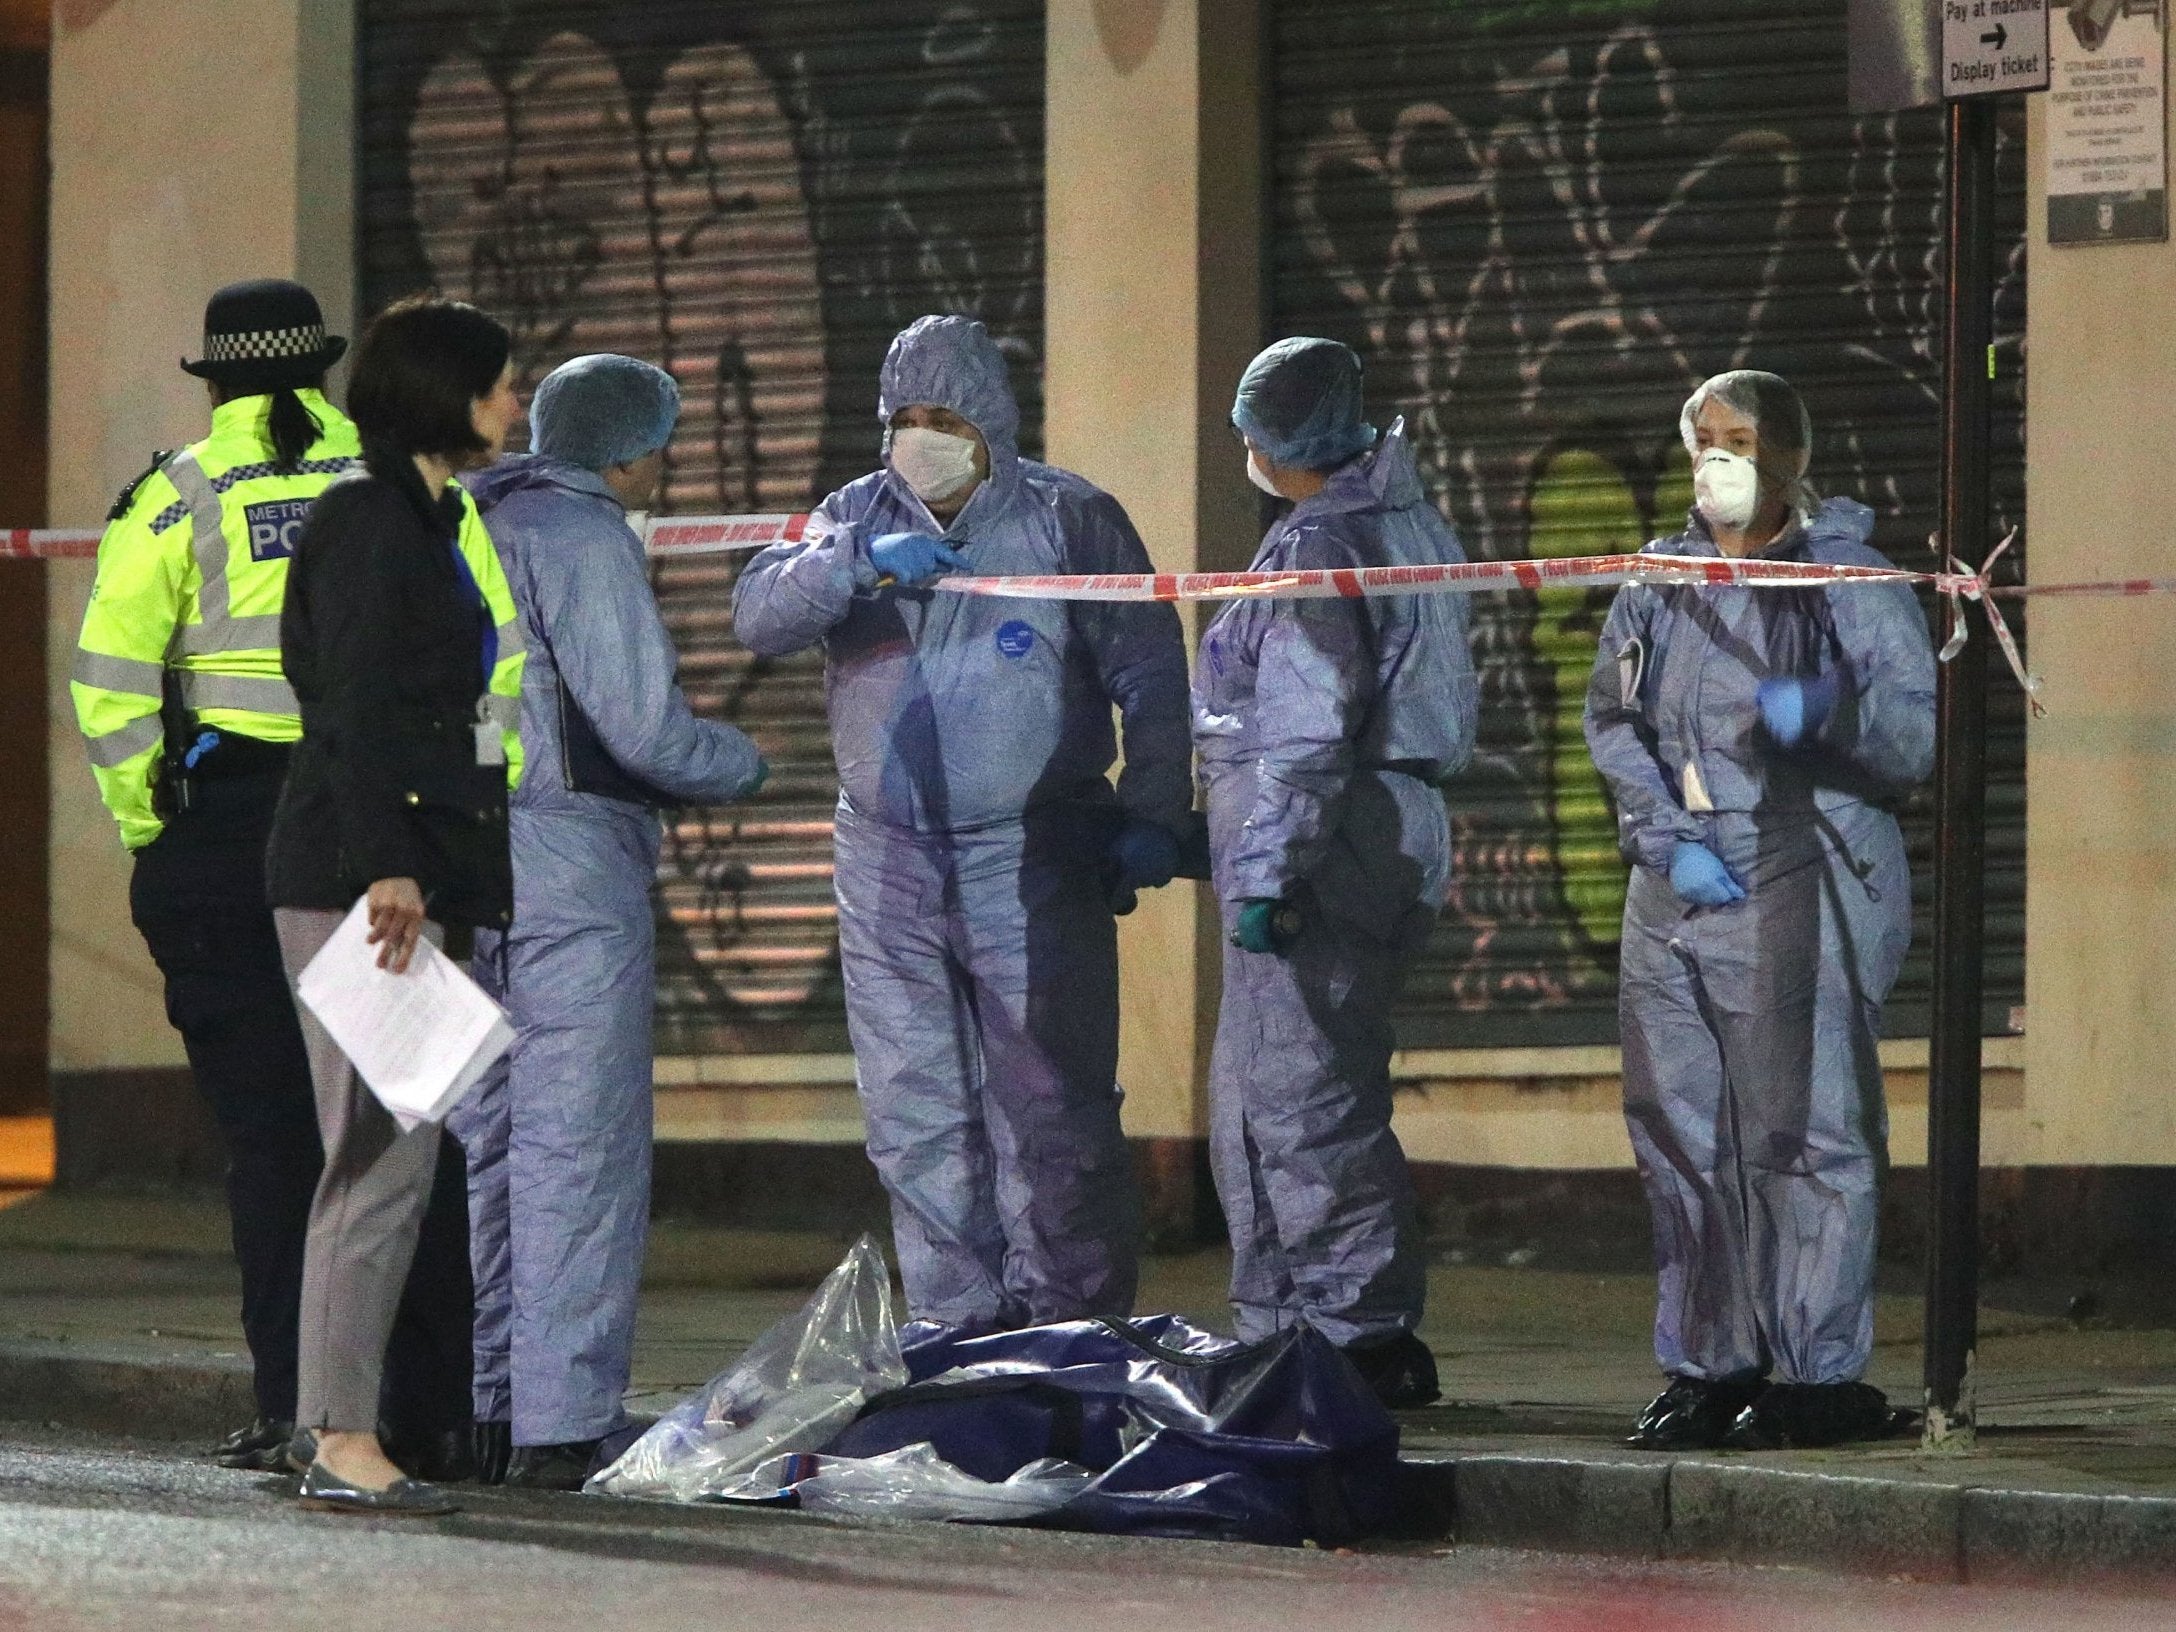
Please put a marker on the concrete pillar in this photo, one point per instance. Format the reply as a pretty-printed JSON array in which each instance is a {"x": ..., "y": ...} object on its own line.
[
  {"x": 1153, "y": 301},
  {"x": 2100, "y": 971},
  {"x": 193, "y": 145}
]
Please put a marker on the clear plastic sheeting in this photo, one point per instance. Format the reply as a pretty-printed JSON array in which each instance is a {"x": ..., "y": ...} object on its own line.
[
  {"x": 798, "y": 1385},
  {"x": 913, "y": 1482}
]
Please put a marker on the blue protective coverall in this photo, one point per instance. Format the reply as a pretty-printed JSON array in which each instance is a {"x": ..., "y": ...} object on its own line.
[
  {"x": 1752, "y": 1087},
  {"x": 559, "y": 1136},
  {"x": 974, "y": 737},
  {"x": 1325, "y": 729}
]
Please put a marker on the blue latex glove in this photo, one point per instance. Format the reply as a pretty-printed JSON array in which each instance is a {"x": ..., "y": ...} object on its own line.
[
  {"x": 754, "y": 784},
  {"x": 1267, "y": 926},
  {"x": 913, "y": 558},
  {"x": 1792, "y": 709},
  {"x": 1700, "y": 878},
  {"x": 1143, "y": 856}
]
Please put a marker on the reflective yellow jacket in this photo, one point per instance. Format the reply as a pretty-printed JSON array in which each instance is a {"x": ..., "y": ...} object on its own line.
[{"x": 191, "y": 578}]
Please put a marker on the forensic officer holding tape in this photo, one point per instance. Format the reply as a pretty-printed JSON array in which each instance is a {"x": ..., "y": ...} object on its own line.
[
  {"x": 981, "y": 849},
  {"x": 190, "y": 723},
  {"x": 1756, "y": 744}
]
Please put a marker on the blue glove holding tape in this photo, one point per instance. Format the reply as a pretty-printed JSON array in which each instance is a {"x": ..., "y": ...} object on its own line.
[{"x": 913, "y": 558}]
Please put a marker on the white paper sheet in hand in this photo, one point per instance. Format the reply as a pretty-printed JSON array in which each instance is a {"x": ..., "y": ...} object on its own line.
[{"x": 420, "y": 1039}]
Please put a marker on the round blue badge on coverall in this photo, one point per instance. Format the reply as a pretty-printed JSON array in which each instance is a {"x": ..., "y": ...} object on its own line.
[{"x": 1016, "y": 639}]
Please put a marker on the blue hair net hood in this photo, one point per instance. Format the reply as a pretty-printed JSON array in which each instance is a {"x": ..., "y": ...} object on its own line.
[
  {"x": 603, "y": 410},
  {"x": 1300, "y": 403},
  {"x": 951, "y": 362}
]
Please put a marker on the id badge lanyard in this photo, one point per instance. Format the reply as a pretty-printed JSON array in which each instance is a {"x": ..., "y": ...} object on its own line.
[{"x": 490, "y": 744}]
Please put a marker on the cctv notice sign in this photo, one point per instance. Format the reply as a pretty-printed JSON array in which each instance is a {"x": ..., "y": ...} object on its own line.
[
  {"x": 1994, "y": 45},
  {"x": 2107, "y": 140}
]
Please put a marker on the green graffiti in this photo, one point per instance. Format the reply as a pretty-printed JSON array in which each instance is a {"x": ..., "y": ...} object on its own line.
[
  {"x": 1581, "y": 505},
  {"x": 1673, "y": 492}
]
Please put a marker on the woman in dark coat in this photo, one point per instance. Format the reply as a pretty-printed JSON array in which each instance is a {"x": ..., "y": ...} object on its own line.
[{"x": 397, "y": 793}]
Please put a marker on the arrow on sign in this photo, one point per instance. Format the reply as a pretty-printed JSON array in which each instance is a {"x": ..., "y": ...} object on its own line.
[{"x": 1998, "y": 39}]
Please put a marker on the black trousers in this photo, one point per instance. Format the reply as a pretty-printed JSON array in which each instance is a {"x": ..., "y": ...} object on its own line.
[{"x": 198, "y": 899}]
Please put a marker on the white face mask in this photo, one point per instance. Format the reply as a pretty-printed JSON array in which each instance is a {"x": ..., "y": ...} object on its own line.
[
  {"x": 1726, "y": 486},
  {"x": 935, "y": 464},
  {"x": 1260, "y": 477}
]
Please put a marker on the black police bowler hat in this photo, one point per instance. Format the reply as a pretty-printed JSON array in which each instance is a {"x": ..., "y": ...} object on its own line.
[{"x": 265, "y": 335}]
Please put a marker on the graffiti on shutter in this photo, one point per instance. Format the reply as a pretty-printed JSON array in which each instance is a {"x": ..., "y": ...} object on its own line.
[
  {"x": 755, "y": 197},
  {"x": 1542, "y": 225}
]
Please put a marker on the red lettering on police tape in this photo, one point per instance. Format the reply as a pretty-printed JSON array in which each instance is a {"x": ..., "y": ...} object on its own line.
[
  {"x": 46, "y": 544},
  {"x": 719, "y": 535}
]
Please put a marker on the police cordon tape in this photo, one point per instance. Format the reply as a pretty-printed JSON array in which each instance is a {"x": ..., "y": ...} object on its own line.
[
  {"x": 704, "y": 535},
  {"x": 46, "y": 544},
  {"x": 672, "y": 537},
  {"x": 721, "y": 535},
  {"x": 667, "y": 536}
]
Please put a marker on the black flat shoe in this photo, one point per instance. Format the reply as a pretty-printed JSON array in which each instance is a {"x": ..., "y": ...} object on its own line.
[
  {"x": 1809, "y": 1416},
  {"x": 552, "y": 1467},
  {"x": 324, "y": 1491},
  {"x": 301, "y": 1451},
  {"x": 1694, "y": 1413},
  {"x": 1400, "y": 1371},
  {"x": 259, "y": 1448}
]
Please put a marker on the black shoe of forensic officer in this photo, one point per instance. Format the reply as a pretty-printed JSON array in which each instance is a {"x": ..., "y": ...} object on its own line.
[
  {"x": 494, "y": 1451},
  {"x": 552, "y": 1467},
  {"x": 1695, "y": 1413},
  {"x": 1807, "y": 1416},
  {"x": 1400, "y": 1371},
  {"x": 259, "y": 1448},
  {"x": 445, "y": 1456}
]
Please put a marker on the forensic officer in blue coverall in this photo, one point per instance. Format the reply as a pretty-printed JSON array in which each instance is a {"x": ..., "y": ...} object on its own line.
[
  {"x": 980, "y": 845},
  {"x": 559, "y": 1138},
  {"x": 1756, "y": 743},
  {"x": 1326, "y": 728}
]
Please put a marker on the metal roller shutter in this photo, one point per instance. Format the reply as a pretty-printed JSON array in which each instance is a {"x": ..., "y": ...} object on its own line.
[
  {"x": 756, "y": 197},
  {"x": 1542, "y": 225}
]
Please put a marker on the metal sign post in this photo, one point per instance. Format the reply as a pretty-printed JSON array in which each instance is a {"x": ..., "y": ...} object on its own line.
[
  {"x": 1988, "y": 47},
  {"x": 1960, "y": 795}
]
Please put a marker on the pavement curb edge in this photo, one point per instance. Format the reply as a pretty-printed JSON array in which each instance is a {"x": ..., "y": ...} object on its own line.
[{"x": 1678, "y": 1509}]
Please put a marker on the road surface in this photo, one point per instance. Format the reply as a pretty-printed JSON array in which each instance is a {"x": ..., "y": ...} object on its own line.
[{"x": 97, "y": 1534}]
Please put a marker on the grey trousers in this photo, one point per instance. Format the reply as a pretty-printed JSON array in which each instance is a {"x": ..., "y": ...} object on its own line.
[{"x": 364, "y": 1219}]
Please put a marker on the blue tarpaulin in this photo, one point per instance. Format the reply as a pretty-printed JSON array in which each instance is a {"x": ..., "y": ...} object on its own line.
[{"x": 1142, "y": 1427}]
